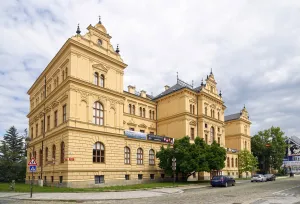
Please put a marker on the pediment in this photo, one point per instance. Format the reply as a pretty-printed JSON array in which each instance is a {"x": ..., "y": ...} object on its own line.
[
  {"x": 192, "y": 122},
  {"x": 100, "y": 68},
  {"x": 142, "y": 125},
  {"x": 131, "y": 123},
  {"x": 54, "y": 104}
]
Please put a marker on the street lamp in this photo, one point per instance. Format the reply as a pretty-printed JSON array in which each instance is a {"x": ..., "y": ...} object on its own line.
[{"x": 27, "y": 141}]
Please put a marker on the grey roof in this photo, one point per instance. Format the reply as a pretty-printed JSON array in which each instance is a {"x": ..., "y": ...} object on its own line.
[
  {"x": 232, "y": 116},
  {"x": 295, "y": 139}
]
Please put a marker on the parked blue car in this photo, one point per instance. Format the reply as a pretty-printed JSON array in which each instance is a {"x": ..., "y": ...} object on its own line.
[{"x": 222, "y": 181}]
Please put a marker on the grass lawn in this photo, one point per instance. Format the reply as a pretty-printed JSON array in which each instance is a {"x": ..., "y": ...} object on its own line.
[{"x": 21, "y": 187}]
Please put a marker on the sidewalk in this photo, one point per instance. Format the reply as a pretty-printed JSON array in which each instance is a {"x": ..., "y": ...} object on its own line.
[{"x": 92, "y": 196}]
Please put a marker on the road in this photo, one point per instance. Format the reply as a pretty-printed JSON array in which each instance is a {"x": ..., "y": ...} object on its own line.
[{"x": 281, "y": 191}]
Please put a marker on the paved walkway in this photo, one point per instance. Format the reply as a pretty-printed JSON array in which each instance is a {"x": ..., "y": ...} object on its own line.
[{"x": 93, "y": 196}]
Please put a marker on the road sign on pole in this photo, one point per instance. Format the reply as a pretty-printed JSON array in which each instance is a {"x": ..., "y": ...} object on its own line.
[
  {"x": 32, "y": 162},
  {"x": 32, "y": 168}
]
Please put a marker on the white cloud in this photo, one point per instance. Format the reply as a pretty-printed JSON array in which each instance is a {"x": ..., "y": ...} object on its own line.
[{"x": 253, "y": 48}]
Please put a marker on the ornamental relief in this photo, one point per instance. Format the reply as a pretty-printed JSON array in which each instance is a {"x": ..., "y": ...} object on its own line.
[{"x": 192, "y": 122}]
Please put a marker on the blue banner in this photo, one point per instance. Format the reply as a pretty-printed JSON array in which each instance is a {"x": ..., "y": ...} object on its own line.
[{"x": 135, "y": 135}]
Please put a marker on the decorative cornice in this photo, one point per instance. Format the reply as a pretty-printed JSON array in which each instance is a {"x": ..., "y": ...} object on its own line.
[
  {"x": 100, "y": 67},
  {"x": 64, "y": 63}
]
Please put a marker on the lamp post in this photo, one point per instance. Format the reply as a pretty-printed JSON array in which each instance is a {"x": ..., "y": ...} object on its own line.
[
  {"x": 27, "y": 140},
  {"x": 174, "y": 168}
]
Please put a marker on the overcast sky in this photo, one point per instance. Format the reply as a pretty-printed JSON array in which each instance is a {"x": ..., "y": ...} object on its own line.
[{"x": 252, "y": 46}]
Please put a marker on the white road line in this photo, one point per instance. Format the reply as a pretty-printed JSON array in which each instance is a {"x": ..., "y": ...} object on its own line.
[{"x": 286, "y": 189}]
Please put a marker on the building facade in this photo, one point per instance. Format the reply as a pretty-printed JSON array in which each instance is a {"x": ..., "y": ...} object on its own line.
[{"x": 86, "y": 130}]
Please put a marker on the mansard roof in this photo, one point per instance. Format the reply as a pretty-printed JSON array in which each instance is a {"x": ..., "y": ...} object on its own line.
[{"x": 234, "y": 116}]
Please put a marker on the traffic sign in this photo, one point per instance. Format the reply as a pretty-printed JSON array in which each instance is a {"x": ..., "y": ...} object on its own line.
[
  {"x": 32, "y": 168},
  {"x": 32, "y": 162}
]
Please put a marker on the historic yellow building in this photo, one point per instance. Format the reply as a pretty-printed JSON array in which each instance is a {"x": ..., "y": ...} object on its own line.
[{"x": 86, "y": 130}]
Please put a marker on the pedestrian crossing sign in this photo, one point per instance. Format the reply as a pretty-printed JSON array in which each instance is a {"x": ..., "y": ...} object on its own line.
[
  {"x": 32, "y": 168},
  {"x": 32, "y": 162}
]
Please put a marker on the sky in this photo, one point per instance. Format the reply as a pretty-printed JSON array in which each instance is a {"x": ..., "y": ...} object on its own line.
[{"x": 253, "y": 48}]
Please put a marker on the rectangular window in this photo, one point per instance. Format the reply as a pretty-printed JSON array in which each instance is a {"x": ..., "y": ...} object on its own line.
[
  {"x": 52, "y": 179},
  {"x": 36, "y": 130},
  {"x": 55, "y": 119},
  {"x": 132, "y": 129},
  {"x": 64, "y": 113},
  {"x": 60, "y": 179},
  {"x": 127, "y": 177},
  {"x": 143, "y": 131},
  {"x": 162, "y": 176},
  {"x": 205, "y": 125},
  {"x": 152, "y": 176},
  {"x": 151, "y": 133},
  {"x": 218, "y": 140},
  {"x": 31, "y": 132},
  {"x": 192, "y": 134},
  {"x": 99, "y": 179},
  {"x": 48, "y": 122},
  {"x": 42, "y": 126},
  {"x": 140, "y": 176}
]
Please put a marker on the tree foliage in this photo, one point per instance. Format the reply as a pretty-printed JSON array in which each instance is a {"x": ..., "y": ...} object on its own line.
[
  {"x": 269, "y": 147},
  {"x": 191, "y": 157},
  {"x": 246, "y": 161},
  {"x": 12, "y": 157}
]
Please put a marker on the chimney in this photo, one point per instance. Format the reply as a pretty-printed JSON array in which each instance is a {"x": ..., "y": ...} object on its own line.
[
  {"x": 131, "y": 89},
  {"x": 166, "y": 87},
  {"x": 143, "y": 94}
]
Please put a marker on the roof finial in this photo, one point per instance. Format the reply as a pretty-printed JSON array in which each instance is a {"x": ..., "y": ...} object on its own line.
[
  {"x": 78, "y": 30},
  {"x": 211, "y": 73},
  {"x": 202, "y": 82},
  {"x": 99, "y": 20},
  {"x": 117, "y": 50},
  {"x": 220, "y": 94},
  {"x": 244, "y": 106},
  {"x": 207, "y": 77}
]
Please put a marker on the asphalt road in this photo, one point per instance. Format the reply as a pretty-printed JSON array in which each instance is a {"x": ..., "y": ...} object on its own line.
[{"x": 283, "y": 191}]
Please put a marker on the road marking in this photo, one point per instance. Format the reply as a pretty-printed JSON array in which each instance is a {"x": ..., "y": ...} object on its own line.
[{"x": 286, "y": 189}]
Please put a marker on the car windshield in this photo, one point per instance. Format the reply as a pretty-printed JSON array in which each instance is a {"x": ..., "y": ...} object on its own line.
[
  {"x": 217, "y": 177},
  {"x": 256, "y": 175}
]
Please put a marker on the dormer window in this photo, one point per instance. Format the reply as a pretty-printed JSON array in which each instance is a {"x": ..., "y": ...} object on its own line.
[{"x": 99, "y": 42}]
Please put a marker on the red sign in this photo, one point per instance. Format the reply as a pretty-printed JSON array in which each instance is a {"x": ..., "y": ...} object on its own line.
[
  {"x": 32, "y": 162},
  {"x": 71, "y": 159}
]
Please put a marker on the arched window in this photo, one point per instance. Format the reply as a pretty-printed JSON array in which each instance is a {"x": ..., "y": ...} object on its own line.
[
  {"x": 206, "y": 139},
  {"x": 141, "y": 111},
  {"x": 190, "y": 108},
  {"x": 236, "y": 162},
  {"x": 46, "y": 154},
  {"x": 62, "y": 152},
  {"x": 41, "y": 158},
  {"x": 228, "y": 162},
  {"x": 133, "y": 109},
  {"x": 129, "y": 108},
  {"x": 212, "y": 134},
  {"x": 102, "y": 79},
  {"x": 53, "y": 152},
  {"x": 98, "y": 152},
  {"x": 99, "y": 42},
  {"x": 205, "y": 110},
  {"x": 126, "y": 155},
  {"x": 66, "y": 72},
  {"x": 193, "y": 109},
  {"x": 144, "y": 112},
  {"x": 98, "y": 113},
  {"x": 211, "y": 113},
  {"x": 153, "y": 113},
  {"x": 139, "y": 156},
  {"x": 232, "y": 162},
  {"x": 218, "y": 116},
  {"x": 151, "y": 157},
  {"x": 96, "y": 78},
  {"x": 219, "y": 141},
  {"x": 150, "y": 114}
]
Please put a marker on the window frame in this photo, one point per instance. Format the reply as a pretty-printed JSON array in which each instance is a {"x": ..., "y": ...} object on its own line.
[
  {"x": 96, "y": 78},
  {"x": 53, "y": 152},
  {"x": 139, "y": 156},
  {"x": 99, "y": 153},
  {"x": 62, "y": 152},
  {"x": 64, "y": 113},
  {"x": 55, "y": 119},
  {"x": 102, "y": 80},
  {"x": 151, "y": 157},
  {"x": 126, "y": 155},
  {"x": 192, "y": 133},
  {"x": 98, "y": 109}
]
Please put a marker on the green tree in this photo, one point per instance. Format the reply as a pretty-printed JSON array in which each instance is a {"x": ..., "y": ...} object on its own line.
[
  {"x": 189, "y": 157},
  {"x": 216, "y": 156},
  {"x": 12, "y": 159},
  {"x": 269, "y": 147},
  {"x": 246, "y": 161}
]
